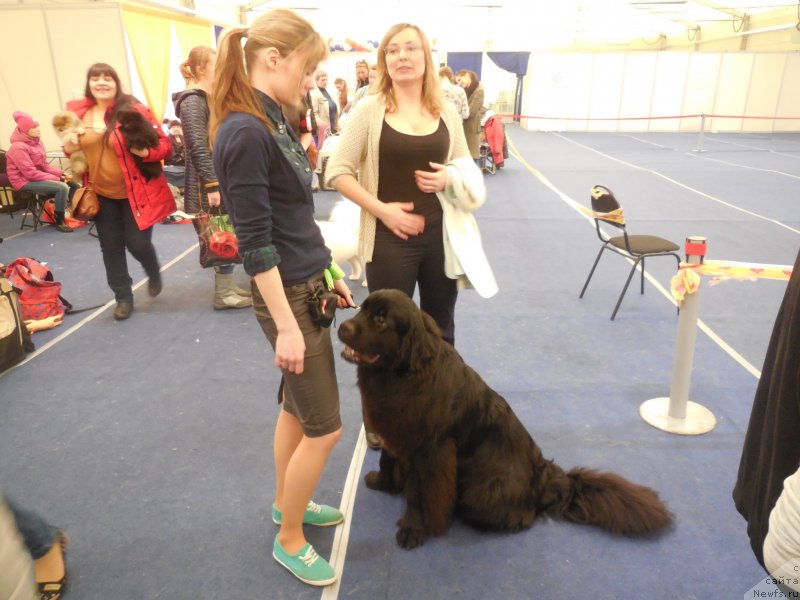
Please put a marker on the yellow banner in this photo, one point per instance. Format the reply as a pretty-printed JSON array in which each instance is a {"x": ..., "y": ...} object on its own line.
[
  {"x": 615, "y": 216},
  {"x": 191, "y": 35},
  {"x": 687, "y": 279},
  {"x": 149, "y": 36}
]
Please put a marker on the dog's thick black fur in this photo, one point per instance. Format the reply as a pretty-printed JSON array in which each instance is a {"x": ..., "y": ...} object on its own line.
[
  {"x": 139, "y": 133},
  {"x": 453, "y": 446}
]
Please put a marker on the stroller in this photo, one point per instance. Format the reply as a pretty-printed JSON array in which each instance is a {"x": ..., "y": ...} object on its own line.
[{"x": 494, "y": 145}]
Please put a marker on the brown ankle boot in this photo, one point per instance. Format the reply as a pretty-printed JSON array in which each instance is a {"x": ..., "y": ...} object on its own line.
[{"x": 60, "y": 225}]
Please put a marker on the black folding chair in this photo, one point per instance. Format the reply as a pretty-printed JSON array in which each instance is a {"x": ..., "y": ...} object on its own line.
[{"x": 634, "y": 247}]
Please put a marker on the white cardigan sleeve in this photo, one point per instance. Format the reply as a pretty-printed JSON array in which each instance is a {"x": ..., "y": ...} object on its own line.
[{"x": 782, "y": 544}]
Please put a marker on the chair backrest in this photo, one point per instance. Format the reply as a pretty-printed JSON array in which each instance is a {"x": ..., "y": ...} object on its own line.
[{"x": 605, "y": 203}]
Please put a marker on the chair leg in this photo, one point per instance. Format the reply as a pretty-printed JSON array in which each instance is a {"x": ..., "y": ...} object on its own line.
[
  {"x": 594, "y": 266},
  {"x": 34, "y": 207},
  {"x": 625, "y": 289}
]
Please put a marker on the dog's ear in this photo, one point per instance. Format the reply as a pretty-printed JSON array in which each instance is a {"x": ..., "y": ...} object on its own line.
[{"x": 421, "y": 341}]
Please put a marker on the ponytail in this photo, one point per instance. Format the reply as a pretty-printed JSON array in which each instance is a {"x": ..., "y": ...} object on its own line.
[
  {"x": 232, "y": 90},
  {"x": 279, "y": 28}
]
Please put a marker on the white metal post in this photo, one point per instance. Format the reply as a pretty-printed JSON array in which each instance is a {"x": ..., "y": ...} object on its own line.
[{"x": 677, "y": 414}]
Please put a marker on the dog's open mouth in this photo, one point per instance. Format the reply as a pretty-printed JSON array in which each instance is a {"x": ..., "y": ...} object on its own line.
[{"x": 359, "y": 357}]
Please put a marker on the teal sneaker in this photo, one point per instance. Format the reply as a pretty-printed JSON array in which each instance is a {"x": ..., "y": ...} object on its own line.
[
  {"x": 306, "y": 565},
  {"x": 320, "y": 515}
]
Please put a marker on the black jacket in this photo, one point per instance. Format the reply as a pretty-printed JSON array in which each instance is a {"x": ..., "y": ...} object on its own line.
[
  {"x": 266, "y": 184},
  {"x": 772, "y": 445},
  {"x": 191, "y": 107}
]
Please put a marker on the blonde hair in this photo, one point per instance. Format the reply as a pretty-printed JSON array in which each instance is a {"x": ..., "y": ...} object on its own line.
[
  {"x": 199, "y": 57},
  {"x": 280, "y": 29},
  {"x": 431, "y": 95}
]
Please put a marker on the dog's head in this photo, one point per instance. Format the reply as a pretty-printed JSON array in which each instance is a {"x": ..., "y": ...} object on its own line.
[
  {"x": 64, "y": 120},
  {"x": 390, "y": 333},
  {"x": 136, "y": 128}
]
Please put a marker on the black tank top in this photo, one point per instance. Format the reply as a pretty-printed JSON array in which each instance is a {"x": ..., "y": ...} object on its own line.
[{"x": 399, "y": 155}]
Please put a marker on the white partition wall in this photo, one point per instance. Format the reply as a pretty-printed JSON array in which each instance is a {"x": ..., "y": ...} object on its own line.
[
  {"x": 789, "y": 100},
  {"x": 668, "y": 90},
  {"x": 637, "y": 91},
  {"x": 44, "y": 55},
  {"x": 610, "y": 91},
  {"x": 28, "y": 72},
  {"x": 702, "y": 75},
  {"x": 734, "y": 83},
  {"x": 764, "y": 92},
  {"x": 606, "y": 96}
]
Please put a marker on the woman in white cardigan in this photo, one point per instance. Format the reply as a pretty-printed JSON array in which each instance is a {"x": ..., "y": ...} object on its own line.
[{"x": 406, "y": 132}]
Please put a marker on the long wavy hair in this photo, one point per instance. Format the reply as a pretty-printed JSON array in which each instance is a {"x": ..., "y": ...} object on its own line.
[
  {"x": 431, "y": 95},
  {"x": 280, "y": 29}
]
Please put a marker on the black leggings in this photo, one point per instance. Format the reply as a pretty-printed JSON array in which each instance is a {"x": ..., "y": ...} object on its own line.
[
  {"x": 117, "y": 230},
  {"x": 401, "y": 264}
]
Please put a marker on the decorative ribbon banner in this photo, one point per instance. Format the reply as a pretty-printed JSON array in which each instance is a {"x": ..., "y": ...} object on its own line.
[
  {"x": 615, "y": 216},
  {"x": 687, "y": 279}
]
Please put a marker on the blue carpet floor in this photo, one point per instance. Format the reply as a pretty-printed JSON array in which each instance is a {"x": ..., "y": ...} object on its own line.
[{"x": 149, "y": 440}]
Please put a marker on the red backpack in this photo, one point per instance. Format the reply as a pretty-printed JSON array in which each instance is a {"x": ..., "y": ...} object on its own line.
[{"x": 39, "y": 295}]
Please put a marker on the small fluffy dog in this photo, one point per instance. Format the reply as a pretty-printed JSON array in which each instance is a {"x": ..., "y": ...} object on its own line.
[
  {"x": 453, "y": 446},
  {"x": 139, "y": 133},
  {"x": 68, "y": 127},
  {"x": 341, "y": 237}
]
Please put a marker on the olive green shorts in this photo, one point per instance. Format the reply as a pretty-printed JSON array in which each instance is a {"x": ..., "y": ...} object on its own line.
[{"x": 313, "y": 396}]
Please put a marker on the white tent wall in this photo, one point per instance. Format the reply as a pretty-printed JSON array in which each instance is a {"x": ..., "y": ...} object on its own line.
[
  {"x": 628, "y": 91},
  {"x": 44, "y": 55}
]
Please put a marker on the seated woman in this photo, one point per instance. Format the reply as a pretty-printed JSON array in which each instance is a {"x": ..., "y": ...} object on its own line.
[
  {"x": 29, "y": 171},
  {"x": 175, "y": 165}
]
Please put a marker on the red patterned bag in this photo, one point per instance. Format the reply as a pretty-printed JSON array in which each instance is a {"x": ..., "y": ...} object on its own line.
[{"x": 39, "y": 295}]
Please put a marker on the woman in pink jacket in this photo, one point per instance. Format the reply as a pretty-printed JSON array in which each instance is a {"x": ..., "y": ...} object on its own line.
[
  {"x": 28, "y": 170},
  {"x": 130, "y": 203}
]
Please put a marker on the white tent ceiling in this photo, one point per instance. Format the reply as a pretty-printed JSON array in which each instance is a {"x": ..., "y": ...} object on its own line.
[
  {"x": 585, "y": 19},
  {"x": 529, "y": 24},
  {"x": 512, "y": 24}
]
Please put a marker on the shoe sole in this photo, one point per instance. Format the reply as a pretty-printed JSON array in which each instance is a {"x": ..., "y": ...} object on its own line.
[
  {"x": 330, "y": 524},
  {"x": 322, "y": 583}
]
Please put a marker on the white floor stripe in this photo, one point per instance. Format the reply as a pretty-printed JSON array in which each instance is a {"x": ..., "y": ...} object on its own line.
[
  {"x": 679, "y": 184},
  {"x": 638, "y": 139},
  {"x": 18, "y": 234},
  {"x": 790, "y": 155},
  {"x": 90, "y": 317},
  {"x": 739, "y": 166},
  {"x": 342, "y": 536},
  {"x": 662, "y": 290}
]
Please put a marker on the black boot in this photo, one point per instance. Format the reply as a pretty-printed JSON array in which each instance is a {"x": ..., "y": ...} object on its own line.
[{"x": 60, "y": 225}]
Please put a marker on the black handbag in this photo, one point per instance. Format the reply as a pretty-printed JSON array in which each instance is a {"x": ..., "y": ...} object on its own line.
[{"x": 218, "y": 243}]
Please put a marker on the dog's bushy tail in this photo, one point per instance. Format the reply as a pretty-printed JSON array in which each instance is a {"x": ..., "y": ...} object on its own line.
[{"x": 612, "y": 503}]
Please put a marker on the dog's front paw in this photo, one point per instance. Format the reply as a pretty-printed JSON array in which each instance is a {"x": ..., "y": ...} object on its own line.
[
  {"x": 376, "y": 481},
  {"x": 410, "y": 537}
]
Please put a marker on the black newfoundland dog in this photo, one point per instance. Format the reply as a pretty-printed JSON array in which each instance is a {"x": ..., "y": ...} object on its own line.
[
  {"x": 139, "y": 133},
  {"x": 452, "y": 445}
]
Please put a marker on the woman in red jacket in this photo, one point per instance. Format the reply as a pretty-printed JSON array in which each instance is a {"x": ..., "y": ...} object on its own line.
[{"x": 129, "y": 202}]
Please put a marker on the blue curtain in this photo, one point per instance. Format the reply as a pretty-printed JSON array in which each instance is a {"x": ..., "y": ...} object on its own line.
[
  {"x": 513, "y": 62},
  {"x": 517, "y": 63},
  {"x": 465, "y": 60}
]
